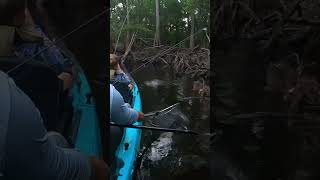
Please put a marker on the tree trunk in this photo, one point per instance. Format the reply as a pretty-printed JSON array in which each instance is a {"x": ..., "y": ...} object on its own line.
[
  {"x": 157, "y": 35},
  {"x": 128, "y": 24},
  {"x": 192, "y": 30}
]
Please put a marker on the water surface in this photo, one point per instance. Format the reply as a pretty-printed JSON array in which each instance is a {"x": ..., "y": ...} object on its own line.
[{"x": 167, "y": 155}]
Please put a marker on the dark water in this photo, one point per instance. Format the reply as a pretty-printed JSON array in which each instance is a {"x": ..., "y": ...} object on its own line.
[{"x": 167, "y": 155}]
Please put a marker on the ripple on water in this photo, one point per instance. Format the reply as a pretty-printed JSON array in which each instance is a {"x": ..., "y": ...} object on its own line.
[{"x": 161, "y": 147}]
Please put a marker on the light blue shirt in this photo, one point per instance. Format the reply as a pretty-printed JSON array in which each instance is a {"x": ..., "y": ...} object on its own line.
[
  {"x": 122, "y": 77},
  {"x": 29, "y": 152},
  {"x": 121, "y": 112}
]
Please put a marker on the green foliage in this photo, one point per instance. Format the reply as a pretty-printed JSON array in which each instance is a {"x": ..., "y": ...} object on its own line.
[
  {"x": 190, "y": 6},
  {"x": 174, "y": 19},
  {"x": 136, "y": 28}
]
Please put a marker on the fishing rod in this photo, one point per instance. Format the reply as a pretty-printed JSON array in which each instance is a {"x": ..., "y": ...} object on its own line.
[
  {"x": 158, "y": 112},
  {"x": 157, "y": 129}
]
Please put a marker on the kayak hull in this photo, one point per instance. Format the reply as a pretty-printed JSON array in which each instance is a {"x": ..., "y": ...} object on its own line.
[
  {"x": 130, "y": 145},
  {"x": 87, "y": 134}
]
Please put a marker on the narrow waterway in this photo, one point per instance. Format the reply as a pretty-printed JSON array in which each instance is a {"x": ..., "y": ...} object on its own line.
[{"x": 167, "y": 155}]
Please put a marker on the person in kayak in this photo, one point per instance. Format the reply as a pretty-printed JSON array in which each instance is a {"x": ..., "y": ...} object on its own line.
[
  {"x": 34, "y": 41},
  {"x": 116, "y": 73},
  {"x": 20, "y": 40},
  {"x": 23, "y": 38},
  {"x": 121, "y": 112},
  {"x": 26, "y": 149}
]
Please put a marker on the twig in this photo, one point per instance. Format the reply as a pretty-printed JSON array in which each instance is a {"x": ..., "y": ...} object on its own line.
[{"x": 129, "y": 47}]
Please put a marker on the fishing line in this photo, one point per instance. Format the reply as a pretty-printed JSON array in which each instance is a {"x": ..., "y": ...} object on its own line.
[
  {"x": 194, "y": 97},
  {"x": 59, "y": 40},
  {"x": 159, "y": 114},
  {"x": 153, "y": 58},
  {"x": 160, "y": 111},
  {"x": 115, "y": 49},
  {"x": 162, "y": 53}
]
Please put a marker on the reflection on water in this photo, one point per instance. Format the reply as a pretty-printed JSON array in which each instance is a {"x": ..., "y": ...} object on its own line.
[
  {"x": 161, "y": 147},
  {"x": 155, "y": 83},
  {"x": 168, "y": 155}
]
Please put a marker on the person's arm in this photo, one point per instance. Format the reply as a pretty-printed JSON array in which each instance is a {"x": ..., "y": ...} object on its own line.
[
  {"x": 121, "y": 112},
  {"x": 32, "y": 155},
  {"x": 130, "y": 114}
]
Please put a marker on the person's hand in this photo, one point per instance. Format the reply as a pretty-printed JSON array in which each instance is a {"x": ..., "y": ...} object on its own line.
[
  {"x": 99, "y": 169},
  {"x": 130, "y": 86},
  {"x": 28, "y": 18},
  {"x": 67, "y": 80},
  {"x": 141, "y": 116}
]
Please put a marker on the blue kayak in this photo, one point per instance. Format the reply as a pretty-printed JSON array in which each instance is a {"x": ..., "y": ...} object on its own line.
[
  {"x": 85, "y": 133},
  {"x": 130, "y": 145}
]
